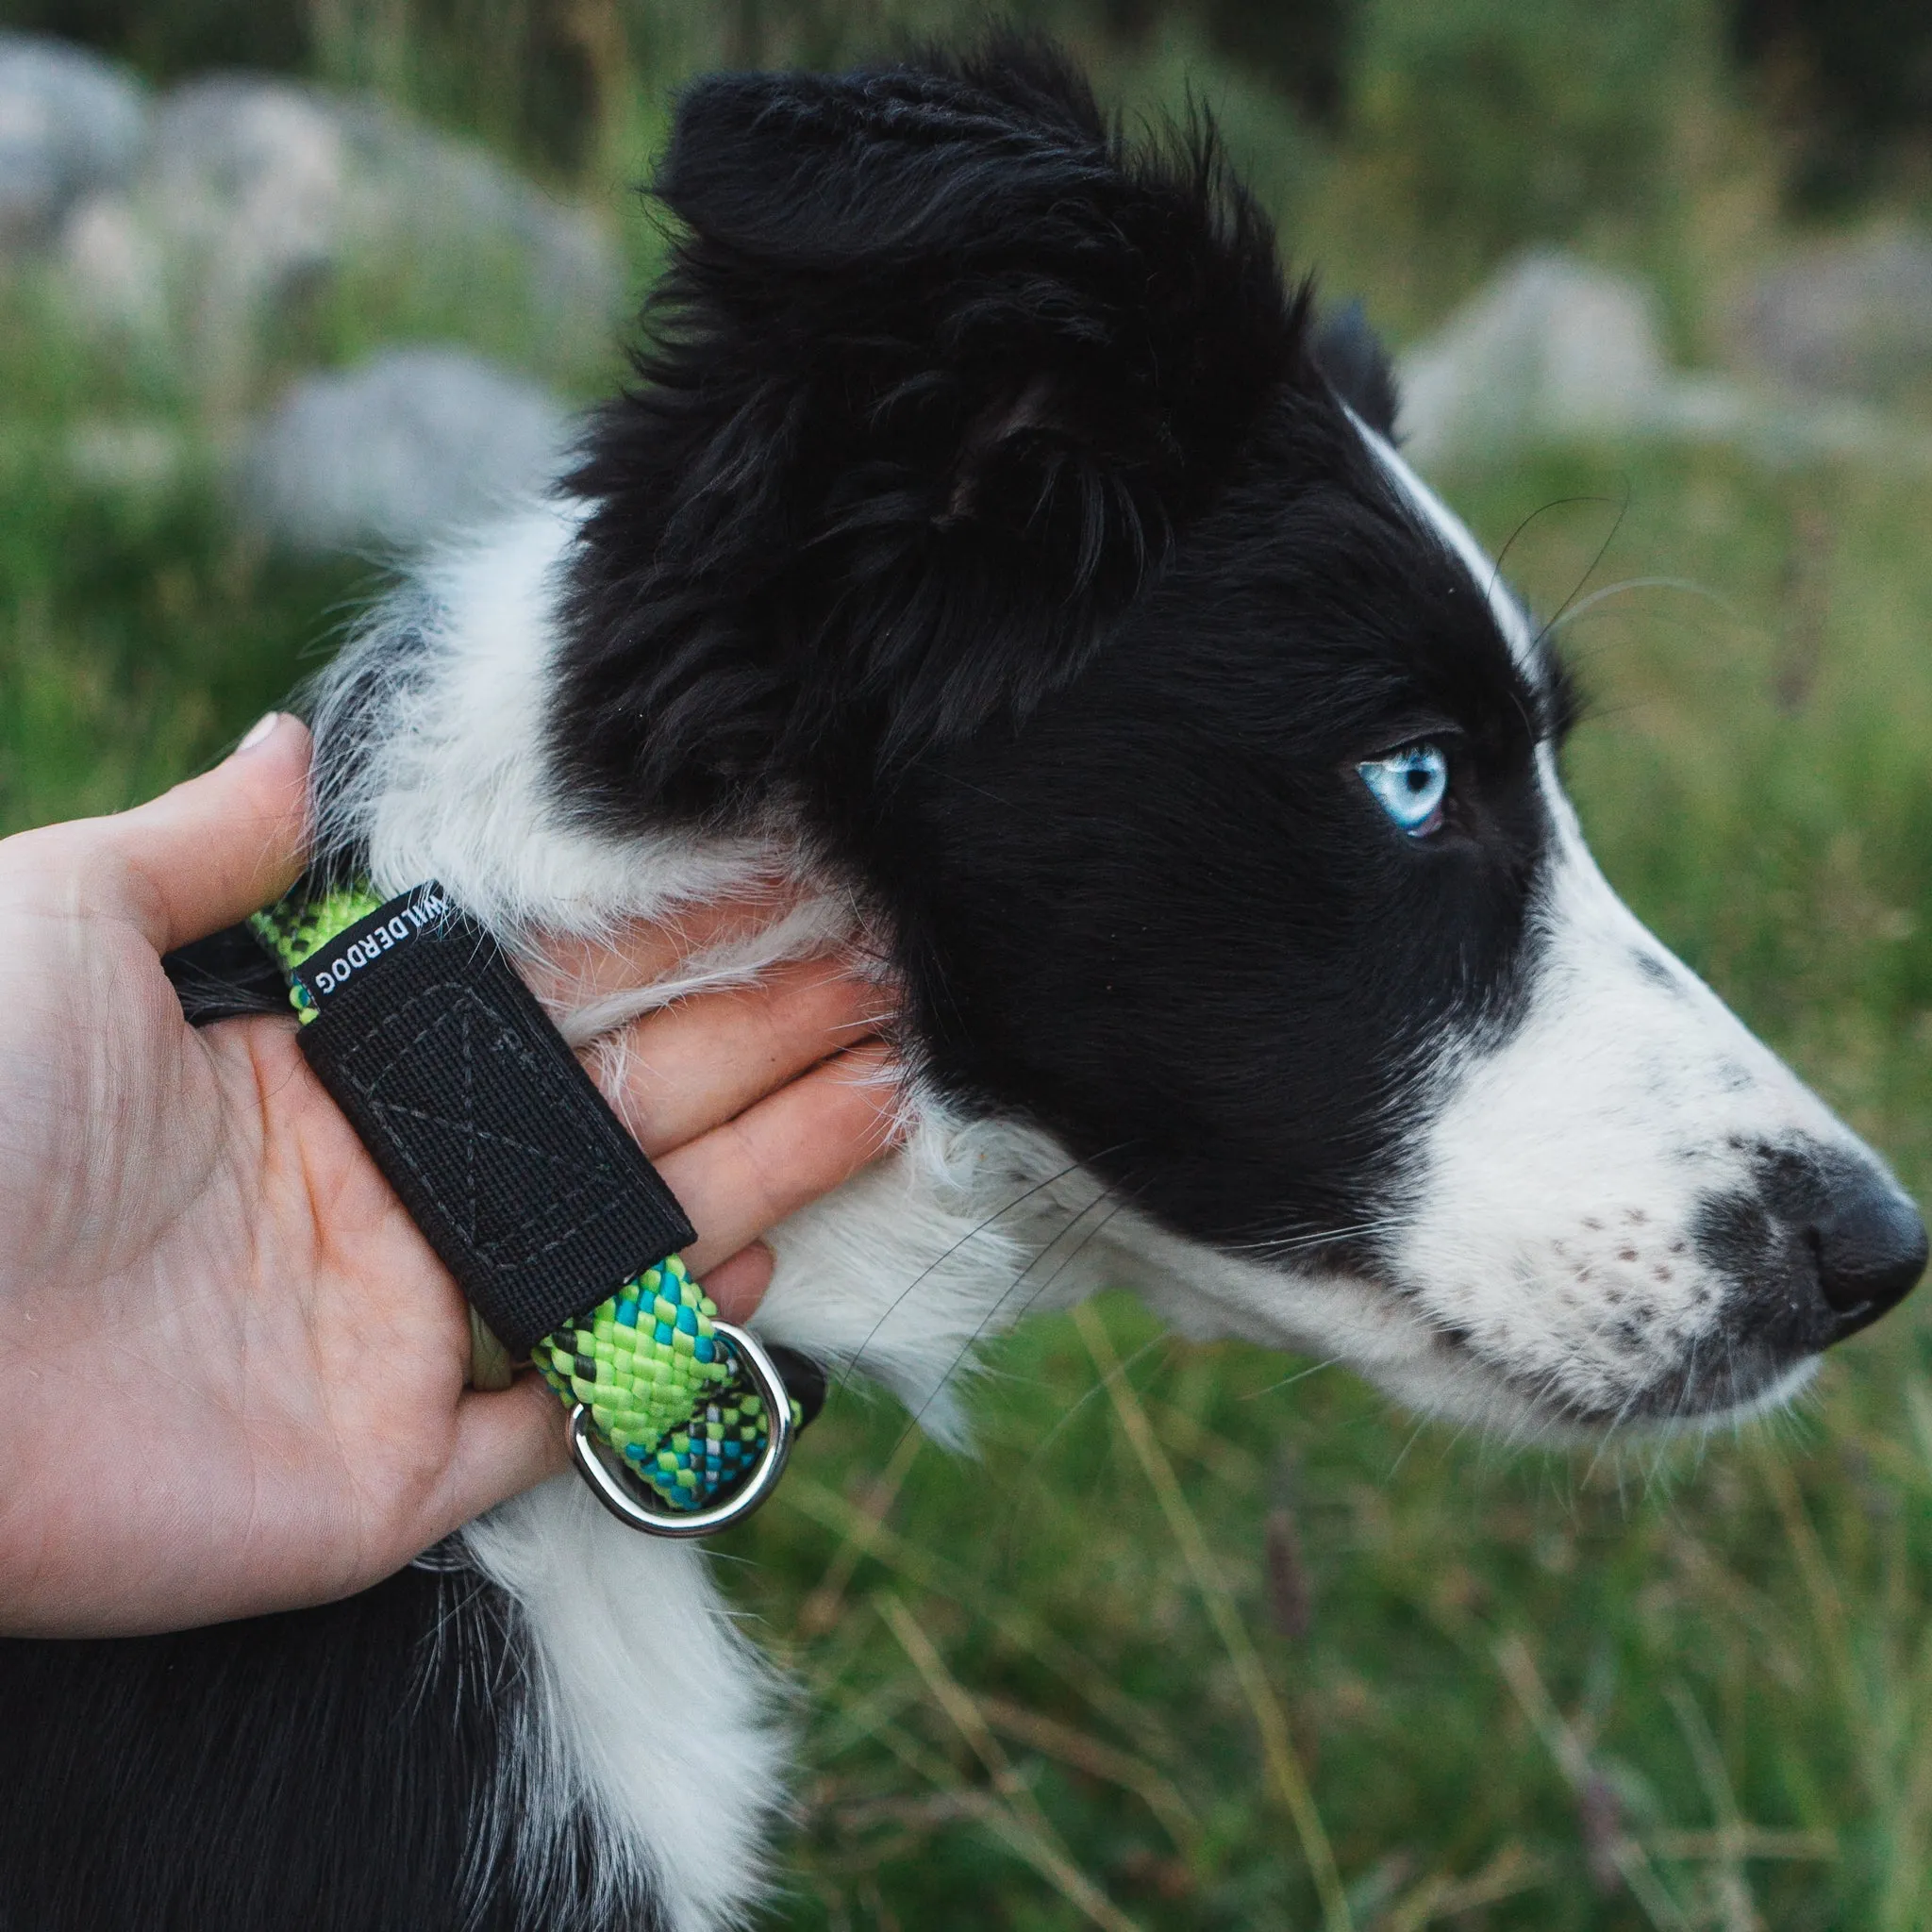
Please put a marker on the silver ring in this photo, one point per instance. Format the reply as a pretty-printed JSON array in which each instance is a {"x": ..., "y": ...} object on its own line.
[{"x": 622, "y": 1493}]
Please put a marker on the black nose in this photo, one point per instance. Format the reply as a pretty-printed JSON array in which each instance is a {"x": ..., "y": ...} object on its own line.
[{"x": 1870, "y": 1244}]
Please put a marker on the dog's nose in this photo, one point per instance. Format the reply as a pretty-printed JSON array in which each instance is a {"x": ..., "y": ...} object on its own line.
[{"x": 1870, "y": 1244}]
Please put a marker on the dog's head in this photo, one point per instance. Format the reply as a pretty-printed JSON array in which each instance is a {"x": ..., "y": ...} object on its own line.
[{"x": 996, "y": 517}]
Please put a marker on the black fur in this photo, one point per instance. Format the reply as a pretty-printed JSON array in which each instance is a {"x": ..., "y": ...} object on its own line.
[
  {"x": 992, "y": 508},
  {"x": 940, "y": 370},
  {"x": 988, "y": 513},
  {"x": 1166, "y": 921},
  {"x": 330, "y": 1769}
]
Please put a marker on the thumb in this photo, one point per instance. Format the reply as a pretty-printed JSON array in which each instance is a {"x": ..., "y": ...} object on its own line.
[{"x": 218, "y": 847}]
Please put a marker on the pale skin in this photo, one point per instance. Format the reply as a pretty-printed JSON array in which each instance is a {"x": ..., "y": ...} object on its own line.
[{"x": 231, "y": 1371}]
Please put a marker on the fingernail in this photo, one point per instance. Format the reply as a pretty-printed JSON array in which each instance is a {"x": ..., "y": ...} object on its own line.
[{"x": 259, "y": 731}]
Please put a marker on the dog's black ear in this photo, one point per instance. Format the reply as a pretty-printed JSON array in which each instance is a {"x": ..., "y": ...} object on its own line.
[
  {"x": 939, "y": 366},
  {"x": 1350, "y": 354}
]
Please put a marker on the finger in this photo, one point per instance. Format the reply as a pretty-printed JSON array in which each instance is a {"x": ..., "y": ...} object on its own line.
[
  {"x": 741, "y": 1179},
  {"x": 679, "y": 1072},
  {"x": 738, "y": 1286},
  {"x": 220, "y": 847},
  {"x": 506, "y": 1442},
  {"x": 570, "y": 971}
]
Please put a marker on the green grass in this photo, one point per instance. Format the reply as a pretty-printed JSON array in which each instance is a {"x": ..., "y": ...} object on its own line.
[
  {"x": 1522, "y": 1691},
  {"x": 1729, "y": 1642},
  {"x": 139, "y": 632},
  {"x": 138, "y": 638}
]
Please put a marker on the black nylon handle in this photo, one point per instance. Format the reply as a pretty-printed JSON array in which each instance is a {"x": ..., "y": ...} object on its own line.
[{"x": 478, "y": 1114}]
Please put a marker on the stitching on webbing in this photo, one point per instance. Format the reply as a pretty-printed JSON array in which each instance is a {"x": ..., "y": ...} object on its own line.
[
  {"x": 466, "y": 1005},
  {"x": 469, "y": 1118}
]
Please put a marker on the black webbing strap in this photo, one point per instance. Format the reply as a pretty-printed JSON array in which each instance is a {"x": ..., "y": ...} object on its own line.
[
  {"x": 504, "y": 1152},
  {"x": 505, "y": 1155}
]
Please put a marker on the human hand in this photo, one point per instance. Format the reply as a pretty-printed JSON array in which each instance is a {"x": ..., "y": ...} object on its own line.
[{"x": 231, "y": 1369}]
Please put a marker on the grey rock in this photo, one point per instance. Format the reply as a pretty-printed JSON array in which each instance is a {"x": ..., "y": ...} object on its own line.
[
  {"x": 127, "y": 455},
  {"x": 258, "y": 196},
  {"x": 1550, "y": 349},
  {"x": 113, "y": 271},
  {"x": 246, "y": 207},
  {"x": 1846, "y": 318},
  {"x": 406, "y": 447},
  {"x": 1554, "y": 350},
  {"x": 71, "y": 124}
]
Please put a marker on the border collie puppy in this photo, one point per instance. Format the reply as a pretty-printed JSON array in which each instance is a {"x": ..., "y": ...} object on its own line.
[{"x": 995, "y": 553}]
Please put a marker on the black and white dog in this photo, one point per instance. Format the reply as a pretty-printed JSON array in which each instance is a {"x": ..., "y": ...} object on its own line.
[{"x": 996, "y": 551}]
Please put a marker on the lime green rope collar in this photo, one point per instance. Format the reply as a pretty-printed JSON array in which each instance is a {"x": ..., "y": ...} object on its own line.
[
  {"x": 661, "y": 1388},
  {"x": 660, "y": 1385}
]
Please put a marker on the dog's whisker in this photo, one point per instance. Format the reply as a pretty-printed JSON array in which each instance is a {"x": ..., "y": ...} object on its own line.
[
  {"x": 1603, "y": 551},
  {"x": 1061, "y": 1424},
  {"x": 1301, "y": 1375},
  {"x": 1414, "y": 1436},
  {"x": 991, "y": 1314},
  {"x": 1690, "y": 587},
  {"x": 1290, "y": 1244},
  {"x": 940, "y": 1260}
]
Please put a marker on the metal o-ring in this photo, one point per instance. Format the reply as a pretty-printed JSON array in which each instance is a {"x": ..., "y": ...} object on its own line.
[{"x": 621, "y": 1492}]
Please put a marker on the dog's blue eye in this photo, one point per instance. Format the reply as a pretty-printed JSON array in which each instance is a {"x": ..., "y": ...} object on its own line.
[{"x": 1410, "y": 785}]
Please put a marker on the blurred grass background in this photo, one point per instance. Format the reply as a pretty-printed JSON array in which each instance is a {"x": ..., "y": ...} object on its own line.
[{"x": 1205, "y": 1641}]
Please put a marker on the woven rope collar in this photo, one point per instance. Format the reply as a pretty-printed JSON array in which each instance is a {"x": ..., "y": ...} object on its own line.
[{"x": 661, "y": 1388}]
